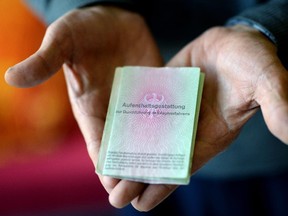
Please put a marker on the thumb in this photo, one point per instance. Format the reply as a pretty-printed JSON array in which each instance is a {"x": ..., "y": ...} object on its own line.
[
  {"x": 42, "y": 64},
  {"x": 272, "y": 95}
]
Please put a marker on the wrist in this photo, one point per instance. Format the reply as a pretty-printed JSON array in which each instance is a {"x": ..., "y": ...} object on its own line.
[
  {"x": 242, "y": 27},
  {"x": 250, "y": 24}
]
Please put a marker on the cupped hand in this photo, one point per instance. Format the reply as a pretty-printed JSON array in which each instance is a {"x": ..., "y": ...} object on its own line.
[
  {"x": 90, "y": 43},
  {"x": 243, "y": 74}
]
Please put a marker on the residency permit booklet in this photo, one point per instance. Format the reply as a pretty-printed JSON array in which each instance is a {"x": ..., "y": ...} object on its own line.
[{"x": 151, "y": 124}]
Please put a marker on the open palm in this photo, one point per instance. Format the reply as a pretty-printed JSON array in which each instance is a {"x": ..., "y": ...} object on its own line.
[{"x": 90, "y": 43}]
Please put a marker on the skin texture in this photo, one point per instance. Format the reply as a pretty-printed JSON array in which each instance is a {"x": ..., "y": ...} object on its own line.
[{"x": 242, "y": 71}]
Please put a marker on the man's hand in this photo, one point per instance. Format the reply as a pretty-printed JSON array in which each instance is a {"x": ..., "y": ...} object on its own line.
[
  {"x": 243, "y": 73},
  {"x": 90, "y": 43}
]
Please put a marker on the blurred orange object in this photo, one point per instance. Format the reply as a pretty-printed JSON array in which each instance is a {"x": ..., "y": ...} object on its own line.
[{"x": 32, "y": 121}]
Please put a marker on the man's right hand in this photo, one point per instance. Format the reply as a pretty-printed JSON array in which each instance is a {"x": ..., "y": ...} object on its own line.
[{"x": 90, "y": 43}]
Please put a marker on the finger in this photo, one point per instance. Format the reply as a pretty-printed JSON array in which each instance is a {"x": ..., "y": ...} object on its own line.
[
  {"x": 91, "y": 129},
  {"x": 152, "y": 196},
  {"x": 90, "y": 120},
  {"x": 108, "y": 183},
  {"x": 44, "y": 63},
  {"x": 272, "y": 95},
  {"x": 124, "y": 192}
]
